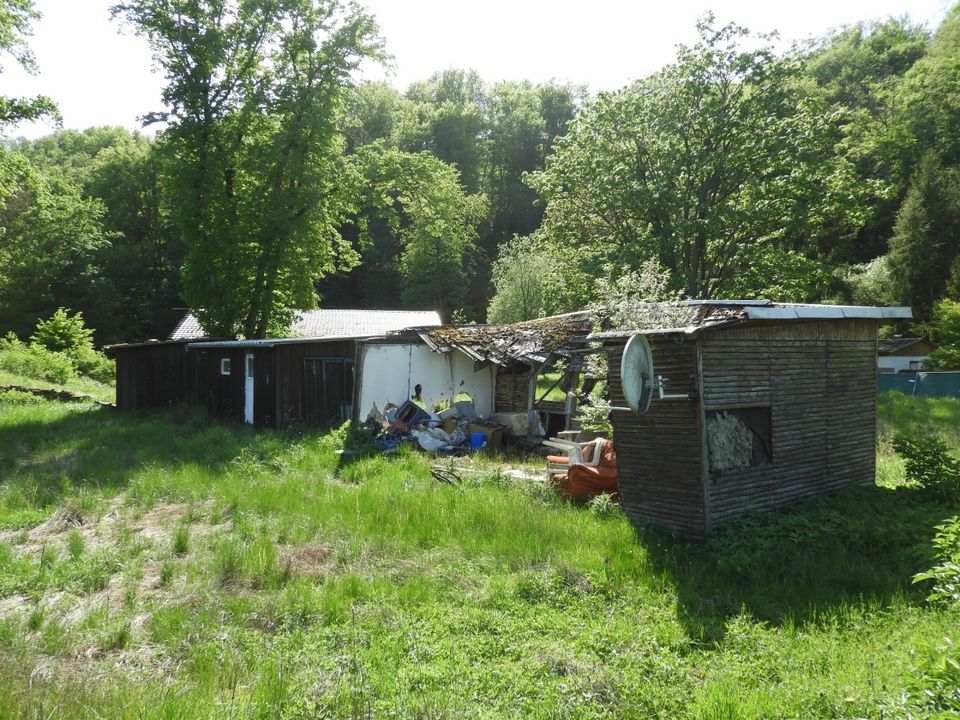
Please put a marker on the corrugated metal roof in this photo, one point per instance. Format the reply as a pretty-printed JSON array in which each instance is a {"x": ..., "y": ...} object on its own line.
[
  {"x": 708, "y": 314},
  {"x": 328, "y": 324}
]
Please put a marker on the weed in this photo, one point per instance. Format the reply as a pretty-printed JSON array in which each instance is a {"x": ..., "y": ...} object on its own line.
[
  {"x": 604, "y": 506},
  {"x": 117, "y": 637},
  {"x": 397, "y": 596},
  {"x": 167, "y": 572},
  {"x": 35, "y": 619},
  {"x": 180, "y": 540},
  {"x": 945, "y": 576},
  {"x": 929, "y": 463},
  {"x": 933, "y": 686},
  {"x": 227, "y": 561},
  {"x": 75, "y": 545}
]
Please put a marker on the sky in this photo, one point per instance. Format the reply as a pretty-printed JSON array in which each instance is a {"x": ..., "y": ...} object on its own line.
[{"x": 101, "y": 74}]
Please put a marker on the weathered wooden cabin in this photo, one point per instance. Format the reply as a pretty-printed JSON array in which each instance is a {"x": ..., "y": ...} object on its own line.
[
  {"x": 306, "y": 378},
  {"x": 777, "y": 402}
]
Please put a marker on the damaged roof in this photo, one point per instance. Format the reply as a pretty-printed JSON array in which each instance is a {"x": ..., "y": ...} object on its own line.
[
  {"x": 530, "y": 342},
  {"x": 332, "y": 323},
  {"x": 693, "y": 317}
]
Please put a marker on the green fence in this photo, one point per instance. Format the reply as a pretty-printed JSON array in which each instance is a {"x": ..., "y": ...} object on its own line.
[{"x": 924, "y": 384}]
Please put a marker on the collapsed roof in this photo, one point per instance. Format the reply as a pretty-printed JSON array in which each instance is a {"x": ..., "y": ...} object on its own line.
[{"x": 530, "y": 342}]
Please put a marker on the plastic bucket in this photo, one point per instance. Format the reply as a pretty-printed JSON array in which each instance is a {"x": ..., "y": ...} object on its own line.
[{"x": 477, "y": 441}]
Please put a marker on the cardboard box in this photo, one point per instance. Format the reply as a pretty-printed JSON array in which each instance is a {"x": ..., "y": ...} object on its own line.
[{"x": 492, "y": 431}]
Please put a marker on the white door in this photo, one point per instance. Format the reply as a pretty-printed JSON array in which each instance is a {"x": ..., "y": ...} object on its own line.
[{"x": 248, "y": 390}]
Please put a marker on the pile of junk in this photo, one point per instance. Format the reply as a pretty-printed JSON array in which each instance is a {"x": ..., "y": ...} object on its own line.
[
  {"x": 580, "y": 466},
  {"x": 587, "y": 468},
  {"x": 454, "y": 430}
]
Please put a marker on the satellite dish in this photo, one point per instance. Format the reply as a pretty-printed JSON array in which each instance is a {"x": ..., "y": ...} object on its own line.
[{"x": 636, "y": 374}]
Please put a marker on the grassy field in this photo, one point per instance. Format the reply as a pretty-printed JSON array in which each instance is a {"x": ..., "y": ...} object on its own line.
[
  {"x": 80, "y": 385},
  {"x": 150, "y": 568}
]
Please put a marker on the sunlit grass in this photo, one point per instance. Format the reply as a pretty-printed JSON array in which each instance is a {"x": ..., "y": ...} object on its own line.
[{"x": 214, "y": 571}]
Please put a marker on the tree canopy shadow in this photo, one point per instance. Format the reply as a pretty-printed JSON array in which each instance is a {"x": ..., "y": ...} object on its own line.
[
  {"x": 822, "y": 556},
  {"x": 55, "y": 452}
]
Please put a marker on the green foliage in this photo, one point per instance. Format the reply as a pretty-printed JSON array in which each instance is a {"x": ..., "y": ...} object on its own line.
[
  {"x": 63, "y": 333},
  {"x": 869, "y": 283},
  {"x": 926, "y": 239},
  {"x": 861, "y": 68},
  {"x": 929, "y": 463},
  {"x": 945, "y": 576},
  {"x": 421, "y": 201},
  {"x": 34, "y": 361},
  {"x": 51, "y": 241},
  {"x": 15, "y": 19},
  {"x": 933, "y": 687},
  {"x": 519, "y": 279},
  {"x": 67, "y": 335},
  {"x": 251, "y": 141},
  {"x": 717, "y": 164},
  {"x": 944, "y": 329}
]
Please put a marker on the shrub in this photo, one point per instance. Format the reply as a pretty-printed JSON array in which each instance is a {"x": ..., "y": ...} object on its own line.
[
  {"x": 97, "y": 366},
  {"x": 929, "y": 463},
  {"x": 67, "y": 334},
  {"x": 946, "y": 575},
  {"x": 34, "y": 361},
  {"x": 63, "y": 333}
]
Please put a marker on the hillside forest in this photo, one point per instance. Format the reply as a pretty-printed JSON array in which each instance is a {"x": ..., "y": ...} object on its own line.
[{"x": 272, "y": 179}]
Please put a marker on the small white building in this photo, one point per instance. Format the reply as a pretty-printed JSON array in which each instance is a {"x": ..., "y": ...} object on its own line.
[{"x": 903, "y": 354}]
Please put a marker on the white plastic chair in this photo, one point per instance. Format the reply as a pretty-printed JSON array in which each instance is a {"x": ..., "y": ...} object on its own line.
[{"x": 575, "y": 453}]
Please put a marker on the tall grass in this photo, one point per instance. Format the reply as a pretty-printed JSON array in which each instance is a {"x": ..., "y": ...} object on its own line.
[{"x": 223, "y": 572}]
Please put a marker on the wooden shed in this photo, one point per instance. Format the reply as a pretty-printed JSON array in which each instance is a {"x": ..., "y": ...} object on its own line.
[
  {"x": 775, "y": 402},
  {"x": 267, "y": 383}
]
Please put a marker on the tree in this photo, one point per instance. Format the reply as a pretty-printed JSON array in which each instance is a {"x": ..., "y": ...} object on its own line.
[
  {"x": 861, "y": 69},
  {"x": 251, "y": 146},
  {"x": 50, "y": 240},
  {"x": 141, "y": 264},
  {"x": 15, "y": 19},
  {"x": 926, "y": 239},
  {"x": 419, "y": 201},
  {"x": 718, "y": 161},
  {"x": 944, "y": 329},
  {"x": 519, "y": 281}
]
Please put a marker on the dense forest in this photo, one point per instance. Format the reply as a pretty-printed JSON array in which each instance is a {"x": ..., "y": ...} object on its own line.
[{"x": 828, "y": 172}]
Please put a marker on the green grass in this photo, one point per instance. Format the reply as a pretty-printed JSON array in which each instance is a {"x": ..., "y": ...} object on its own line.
[
  {"x": 150, "y": 568},
  {"x": 81, "y": 385}
]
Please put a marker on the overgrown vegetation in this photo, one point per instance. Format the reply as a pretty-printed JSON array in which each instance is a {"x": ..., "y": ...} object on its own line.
[
  {"x": 60, "y": 354},
  {"x": 182, "y": 569}
]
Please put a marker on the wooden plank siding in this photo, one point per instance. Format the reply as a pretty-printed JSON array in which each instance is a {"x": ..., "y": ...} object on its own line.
[
  {"x": 164, "y": 374},
  {"x": 290, "y": 402},
  {"x": 152, "y": 376},
  {"x": 816, "y": 377},
  {"x": 659, "y": 453},
  {"x": 818, "y": 380}
]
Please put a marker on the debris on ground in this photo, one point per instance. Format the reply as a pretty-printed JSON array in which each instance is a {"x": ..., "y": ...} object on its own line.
[{"x": 454, "y": 430}]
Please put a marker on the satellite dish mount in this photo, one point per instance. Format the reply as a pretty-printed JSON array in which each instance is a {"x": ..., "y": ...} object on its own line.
[{"x": 637, "y": 377}]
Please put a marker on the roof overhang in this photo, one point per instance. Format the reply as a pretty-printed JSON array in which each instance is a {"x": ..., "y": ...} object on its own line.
[
  {"x": 741, "y": 312},
  {"x": 267, "y": 342}
]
